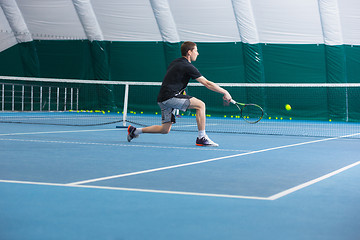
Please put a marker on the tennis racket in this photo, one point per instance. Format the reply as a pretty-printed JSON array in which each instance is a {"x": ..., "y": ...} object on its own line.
[{"x": 251, "y": 113}]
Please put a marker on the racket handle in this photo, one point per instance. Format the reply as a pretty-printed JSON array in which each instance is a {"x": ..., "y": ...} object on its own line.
[{"x": 233, "y": 101}]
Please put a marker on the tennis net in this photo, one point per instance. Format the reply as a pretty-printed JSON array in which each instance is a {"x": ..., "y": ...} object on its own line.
[{"x": 325, "y": 110}]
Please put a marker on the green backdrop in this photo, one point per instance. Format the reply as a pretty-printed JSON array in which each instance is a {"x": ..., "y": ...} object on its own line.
[{"x": 220, "y": 62}]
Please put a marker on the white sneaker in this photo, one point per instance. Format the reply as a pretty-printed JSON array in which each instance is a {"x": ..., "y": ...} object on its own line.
[
  {"x": 131, "y": 133},
  {"x": 205, "y": 142}
]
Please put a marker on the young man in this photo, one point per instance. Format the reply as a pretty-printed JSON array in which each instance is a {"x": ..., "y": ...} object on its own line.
[{"x": 170, "y": 97}]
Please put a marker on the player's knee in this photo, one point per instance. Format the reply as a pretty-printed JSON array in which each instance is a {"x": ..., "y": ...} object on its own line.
[
  {"x": 200, "y": 105},
  {"x": 165, "y": 131},
  {"x": 197, "y": 104}
]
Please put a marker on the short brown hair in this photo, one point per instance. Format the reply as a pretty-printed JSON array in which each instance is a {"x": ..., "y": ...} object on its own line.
[{"x": 186, "y": 46}]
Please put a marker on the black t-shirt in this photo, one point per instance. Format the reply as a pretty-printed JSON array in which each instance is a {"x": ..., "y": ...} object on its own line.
[{"x": 178, "y": 75}]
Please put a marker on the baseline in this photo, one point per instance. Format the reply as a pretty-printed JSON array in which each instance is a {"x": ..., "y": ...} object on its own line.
[
  {"x": 122, "y": 145},
  {"x": 137, "y": 190},
  {"x": 311, "y": 182},
  {"x": 206, "y": 161}
]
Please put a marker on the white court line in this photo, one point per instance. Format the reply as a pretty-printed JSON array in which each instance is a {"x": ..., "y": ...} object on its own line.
[
  {"x": 106, "y": 144},
  {"x": 206, "y": 161},
  {"x": 123, "y": 145},
  {"x": 273, "y": 197},
  {"x": 304, "y": 185},
  {"x": 138, "y": 190},
  {"x": 74, "y": 131}
]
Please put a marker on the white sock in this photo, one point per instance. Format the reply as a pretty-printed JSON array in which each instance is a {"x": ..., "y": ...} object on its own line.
[
  {"x": 202, "y": 133},
  {"x": 138, "y": 131}
]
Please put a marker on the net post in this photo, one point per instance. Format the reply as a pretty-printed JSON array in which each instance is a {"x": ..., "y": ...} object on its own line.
[
  {"x": 126, "y": 96},
  {"x": 22, "y": 97},
  {"x": 3, "y": 97},
  {"x": 77, "y": 99},
  {"x": 32, "y": 98},
  {"x": 65, "y": 92},
  {"x": 49, "y": 99},
  {"x": 347, "y": 104},
  {"x": 57, "y": 98},
  {"x": 13, "y": 98},
  {"x": 71, "y": 98},
  {"x": 41, "y": 96}
]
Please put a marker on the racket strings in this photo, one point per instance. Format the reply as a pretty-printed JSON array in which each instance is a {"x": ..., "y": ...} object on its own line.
[{"x": 252, "y": 113}]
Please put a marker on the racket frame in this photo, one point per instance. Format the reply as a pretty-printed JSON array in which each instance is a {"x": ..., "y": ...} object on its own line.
[{"x": 241, "y": 106}]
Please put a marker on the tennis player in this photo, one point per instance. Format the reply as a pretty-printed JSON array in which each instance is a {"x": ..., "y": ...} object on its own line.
[{"x": 171, "y": 96}]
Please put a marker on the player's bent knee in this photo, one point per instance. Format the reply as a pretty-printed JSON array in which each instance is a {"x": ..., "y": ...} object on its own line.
[
  {"x": 201, "y": 106},
  {"x": 197, "y": 104},
  {"x": 165, "y": 131}
]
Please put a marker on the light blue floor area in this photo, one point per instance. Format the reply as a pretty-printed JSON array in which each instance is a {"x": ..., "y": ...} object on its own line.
[{"x": 37, "y": 162}]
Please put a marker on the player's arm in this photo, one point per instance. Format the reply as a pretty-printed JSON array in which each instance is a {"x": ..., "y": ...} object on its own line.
[{"x": 214, "y": 87}]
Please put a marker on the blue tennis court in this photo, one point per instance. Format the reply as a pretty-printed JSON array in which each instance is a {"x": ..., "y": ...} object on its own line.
[
  {"x": 61, "y": 182},
  {"x": 279, "y": 90}
]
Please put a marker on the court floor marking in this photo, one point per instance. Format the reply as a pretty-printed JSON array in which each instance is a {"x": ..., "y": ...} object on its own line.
[
  {"x": 106, "y": 144},
  {"x": 206, "y": 161},
  {"x": 311, "y": 182},
  {"x": 124, "y": 145},
  {"x": 271, "y": 198},
  {"x": 138, "y": 190},
  {"x": 73, "y": 131}
]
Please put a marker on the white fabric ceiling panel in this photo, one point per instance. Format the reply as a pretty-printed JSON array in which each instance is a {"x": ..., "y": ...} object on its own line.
[
  {"x": 245, "y": 20},
  {"x": 7, "y": 38},
  {"x": 330, "y": 20},
  {"x": 51, "y": 19},
  {"x": 350, "y": 21},
  {"x": 288, "y": 21},
  {"x": 251, "y": 21},
  {"x": 165, "y": 20},
  {"x": 16, "y": 21},
  {"x": 88, "y": 20},
  {"x": 205, "y": 20},
  {"x": 126, "y": 20},
  {"x": 6, "y": 41}
]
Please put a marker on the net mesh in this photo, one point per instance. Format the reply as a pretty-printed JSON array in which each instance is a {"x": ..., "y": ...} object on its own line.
[{"x": 326, "y": 110}]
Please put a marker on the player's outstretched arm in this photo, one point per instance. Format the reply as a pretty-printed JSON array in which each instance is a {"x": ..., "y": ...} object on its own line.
[{"x": 214, "y": 87}]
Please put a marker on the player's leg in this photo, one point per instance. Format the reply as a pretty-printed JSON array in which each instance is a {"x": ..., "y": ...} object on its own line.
[
  {"x": 134, "y": 132},
  {"x": 199, "y": 106},
  {"x": 164, "y": 128},
  {"x": 167, "y": 117}
]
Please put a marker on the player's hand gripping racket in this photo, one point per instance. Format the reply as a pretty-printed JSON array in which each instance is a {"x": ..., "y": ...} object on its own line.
[{"x": 251, "y": 113}]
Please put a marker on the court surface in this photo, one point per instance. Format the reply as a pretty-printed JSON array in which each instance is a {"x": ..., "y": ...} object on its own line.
[{"x": 60, "y": 182}]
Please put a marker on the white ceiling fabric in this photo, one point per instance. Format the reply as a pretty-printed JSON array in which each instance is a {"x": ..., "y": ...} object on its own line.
[
  {"x": 245, "y": 20},
  {"x": 165, "y": 20},
  {"x": 126, "y": 20},
  {"x": 88, "y": 20},
  {"x": 330, "y": 19},
  {"x": 7, "y": 38},
  {"x": 51, "y": 19},
  {"x": 13, "y": 26},
  {"x": 331, "y": 22},
  {"x": 349, "y": 11}
]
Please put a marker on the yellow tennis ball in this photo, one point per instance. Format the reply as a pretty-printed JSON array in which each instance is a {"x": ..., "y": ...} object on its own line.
[{"x": 288, "y": 107}]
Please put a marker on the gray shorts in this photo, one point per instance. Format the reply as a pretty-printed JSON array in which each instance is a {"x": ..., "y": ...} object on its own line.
[{"x": 168, "y": 107}]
